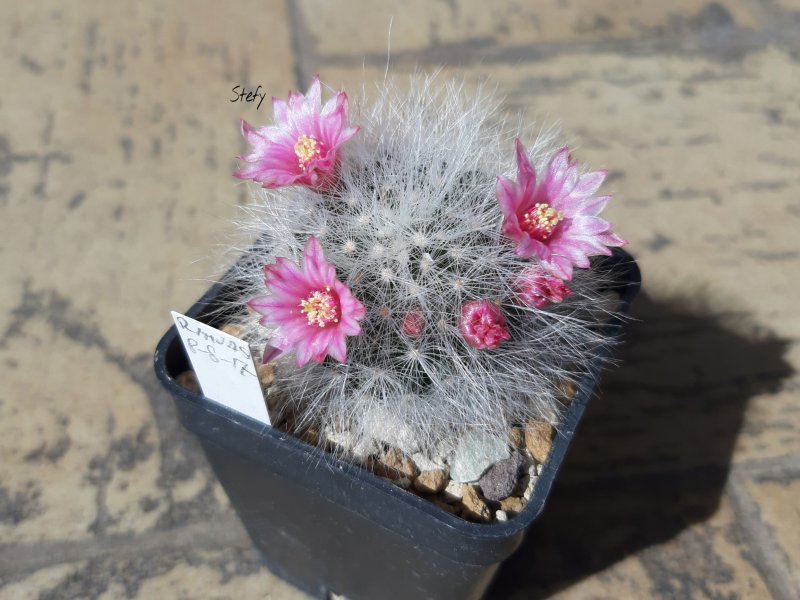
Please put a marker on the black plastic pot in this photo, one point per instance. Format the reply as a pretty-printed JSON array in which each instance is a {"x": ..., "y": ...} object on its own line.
[{"x": 328, "y": 526}]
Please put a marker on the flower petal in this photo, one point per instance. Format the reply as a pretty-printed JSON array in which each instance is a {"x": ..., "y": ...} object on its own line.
[
  {"x": 526, "y": 174},
  {"x": 594, "y": 206},
  {"x": 338, "y": 348},
  {"x": 279, "y": 109},
  {"x": 589, "y": 225},
  {"x": 508, "y": 196},
  {"x": 303, "y": 352},
  {"x": 561, "y": 267},
  {"x": 318, "y": 271},
  {"x": 589, "y": 183},
  {"x": 612, "y": 239}
]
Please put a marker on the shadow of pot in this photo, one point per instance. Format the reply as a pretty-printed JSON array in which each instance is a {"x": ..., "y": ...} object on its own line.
[{"x": 654, "y": 451}]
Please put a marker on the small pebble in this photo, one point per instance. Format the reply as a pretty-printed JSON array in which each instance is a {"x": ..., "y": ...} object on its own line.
[
  {"x": 567, "y": 389},
  {"x": 376, "y": 466},
  {"x": 388, "y": 427},
  {"x": 539, "y": 439},
  {"x": 266, "y": 374},
  {"x": 345, "y": 443},
  {"x": 454, "y": 491},
  {"x": 425, "y": 463},
  {"x": 501, "y": 478},
  {"x": 392, "y": 465},
  {"x": 431, "y": 482},
  {"x": 188, "y": 381},
  {"x": 516, "y": 437},
  {"x": 395, "y": 459},
  {"x": 512, "y": 505},
  {"x": 531, "y": 483},
  {"x": 473, "y": 506},
  {"x": 232, "y": 329},
  {"x": 476, "y": 451},
  {"x": 501, "y": 516}
]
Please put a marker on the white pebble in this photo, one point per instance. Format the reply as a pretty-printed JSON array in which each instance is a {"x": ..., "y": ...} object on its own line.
[
  {"x": 529, "y": 489},
  {"x": 476, "y": 451},
  {"x": 427, "y": 464},
  {"x": 454, "y": 491}
]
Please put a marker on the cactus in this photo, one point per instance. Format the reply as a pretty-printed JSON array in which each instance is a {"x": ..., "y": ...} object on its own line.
[{"x": 462, "y": 325}]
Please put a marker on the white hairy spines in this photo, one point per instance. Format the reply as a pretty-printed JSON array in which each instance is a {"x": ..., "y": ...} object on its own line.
[{"x": 413, "y": 228}]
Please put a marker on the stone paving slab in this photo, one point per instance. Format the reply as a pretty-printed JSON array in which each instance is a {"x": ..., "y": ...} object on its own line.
[
  {"x": 457, "y": 31},
  {"x": 768, "y": 500},
  {"x": 117, "y": 141},
  {"x": 212, "y": 574},
  {"x": 115, "y": 158}
]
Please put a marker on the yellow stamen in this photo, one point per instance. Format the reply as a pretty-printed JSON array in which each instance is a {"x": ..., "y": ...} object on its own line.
[
  {"x": 320, "y": 308},
  {"x": 307, "y": 149},
  {"x": 541, "y": 220}
]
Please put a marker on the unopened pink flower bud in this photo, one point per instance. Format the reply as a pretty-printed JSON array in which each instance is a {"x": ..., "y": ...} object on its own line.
[
  {"x": 483, "y": 325},
  {"x": 538, "y": 288},
  {"x": 413, "y": 323}
]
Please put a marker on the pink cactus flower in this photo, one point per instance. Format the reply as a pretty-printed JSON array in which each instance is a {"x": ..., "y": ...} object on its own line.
[
  {"x": 483, "y": 325},
  {"x": 303, "y": 146},
  {"x": 536, "y": 287},
  {"x": 413, "y": 323},
  {"x": 556, "y": 219},
  {"x": 312, "y": 311}
]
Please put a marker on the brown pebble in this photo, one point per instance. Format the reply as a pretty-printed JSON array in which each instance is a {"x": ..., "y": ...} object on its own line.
[
  {"x": 473, "y": 506},
  {"x": 188, "y": 381},
  {"x": 398, "y": 462},
  {"x": 431, "y": 482},
  {"x": 375, "y": 466},
  {"x": 516, "y": 437},
  {"x": 539, "y": 439},
  {"x": 392, "y": 465},
  {"x": 233, "y": 330},
  {"x": 512, "y": 505},
  {"x": 567, "y": 392},
  {"x": 266, "y": 374}
]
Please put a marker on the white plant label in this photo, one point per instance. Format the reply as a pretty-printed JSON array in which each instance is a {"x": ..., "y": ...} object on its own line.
[{"x": 224, "y": 367}]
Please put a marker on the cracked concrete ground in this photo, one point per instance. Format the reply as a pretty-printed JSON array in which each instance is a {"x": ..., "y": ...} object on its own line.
[{"x": 117, "y": 140}]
